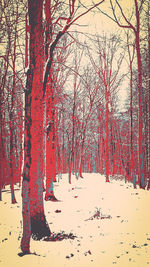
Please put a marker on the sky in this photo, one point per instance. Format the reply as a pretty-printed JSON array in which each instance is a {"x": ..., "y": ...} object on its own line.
[{"x": 97, "y": 23}]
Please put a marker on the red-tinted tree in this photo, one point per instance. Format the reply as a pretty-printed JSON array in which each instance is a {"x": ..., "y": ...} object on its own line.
[
  {"x": 34, "y": 221},
  {"x": 11, "y": 96},
  {"x": 136, "y": 31},
  {"x": 107, "y": 69}
]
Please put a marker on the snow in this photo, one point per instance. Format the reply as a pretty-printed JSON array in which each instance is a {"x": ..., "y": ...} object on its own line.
[{"x": 119, "y": 237}]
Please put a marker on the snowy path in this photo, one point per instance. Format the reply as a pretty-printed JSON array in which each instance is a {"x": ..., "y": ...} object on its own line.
[{"x": 121, "y": 240}]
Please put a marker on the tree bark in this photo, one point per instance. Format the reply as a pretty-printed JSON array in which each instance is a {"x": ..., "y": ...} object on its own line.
[
  {"x": 140, "y": 92},
  {"x": 25, "y": 241},
  {"x": 39, "y": 226},
  {"x": 50, "y": 143},
  {"x": 107, "y": 135},
  {"x": 148, "y": 187},
  {"x": 34, "y": 220}
]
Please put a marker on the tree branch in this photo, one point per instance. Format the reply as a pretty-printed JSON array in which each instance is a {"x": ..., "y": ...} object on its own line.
[
  {"x": 59, "y": 35},
  {"x": 129, "y": 26}
]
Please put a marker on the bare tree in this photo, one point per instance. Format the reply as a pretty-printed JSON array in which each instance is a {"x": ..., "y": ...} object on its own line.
[{"x": 107, "y": 68}]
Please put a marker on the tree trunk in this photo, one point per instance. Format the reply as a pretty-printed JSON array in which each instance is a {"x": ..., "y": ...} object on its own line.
[
  {"x": 39, "y": 226},
  {"x": 13, "y": 199},
  {"x": 50, "y": 114},
  {"x": 34, "y": 221},
  {"x": 50, "y": 143},
  {"x": 80, "y": 167},
  {"x": 12, "y": 118},
  {"x": 25, "y": 241},
  {"x": 140, "y": 91},
  {"x": 148, "y": 187},
  {"x": 1, "y": 147},
  {"x": 107, "y": 136},
  {"x": 12, "y": 156},
  {"x": 132, "y": 171},
  {"x": 70, "y": 168}
]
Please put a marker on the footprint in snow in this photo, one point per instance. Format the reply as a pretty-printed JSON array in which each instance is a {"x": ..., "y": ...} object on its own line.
[{"x": 71, "y": 255}]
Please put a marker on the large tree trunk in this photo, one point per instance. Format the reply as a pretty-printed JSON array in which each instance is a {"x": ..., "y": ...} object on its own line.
[
  {"x": 34, "y": 221},
  {"x": 39, "y": 226},
  {"x": 148, "y": 187}
]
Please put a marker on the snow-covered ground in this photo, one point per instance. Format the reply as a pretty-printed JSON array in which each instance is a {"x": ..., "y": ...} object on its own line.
[{"x": 119, "y": 236}]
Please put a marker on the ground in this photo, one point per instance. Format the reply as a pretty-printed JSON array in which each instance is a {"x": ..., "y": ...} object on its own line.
[{"x": 111, "y": 222}]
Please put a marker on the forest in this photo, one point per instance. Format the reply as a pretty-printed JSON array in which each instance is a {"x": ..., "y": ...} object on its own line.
[{"x": 74, "y": 108}]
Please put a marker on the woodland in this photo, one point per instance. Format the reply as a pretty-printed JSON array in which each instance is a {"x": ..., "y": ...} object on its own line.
[{"x": 73, "y": 101}]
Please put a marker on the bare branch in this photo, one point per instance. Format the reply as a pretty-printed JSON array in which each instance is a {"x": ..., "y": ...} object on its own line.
[
  {"x": 59, "y": 35},
  {"x": 129, "y": 26}
]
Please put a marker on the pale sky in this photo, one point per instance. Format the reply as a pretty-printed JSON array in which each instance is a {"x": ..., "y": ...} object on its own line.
[{"x": 97, "y": 23}]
